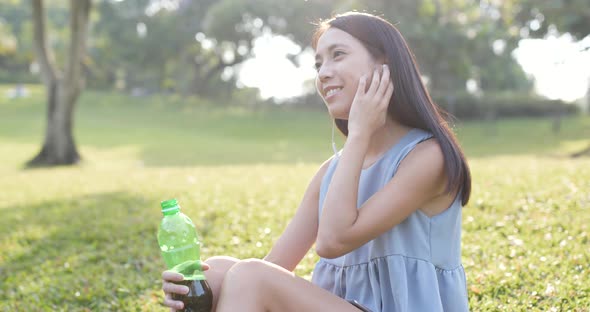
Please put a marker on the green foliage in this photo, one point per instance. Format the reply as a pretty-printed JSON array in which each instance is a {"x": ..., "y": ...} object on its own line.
[
  {"x": 84, "y": 238},
  {"x": 163, "y": 51},
  {"x": 453, "y": 40},
  {"x": 232, "y": 12},
  {"x": 15, "y": 66},
  {"x": 453, "y": 43},
  {"x": 501, "y": 105},
  {"x": 14, "y": 56},
  {"x": 566, "y": 15},
  {"x": 8, "y": 41},
  {"x": 18, "y": 77}
]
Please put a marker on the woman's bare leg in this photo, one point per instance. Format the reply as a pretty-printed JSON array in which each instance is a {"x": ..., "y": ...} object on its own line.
[
  {"x": 215, "y": 275},
  {"x": 256, "y": 285}
]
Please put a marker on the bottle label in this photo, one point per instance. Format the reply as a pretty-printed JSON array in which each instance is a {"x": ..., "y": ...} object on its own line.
[{"x": 191, "y": 270}]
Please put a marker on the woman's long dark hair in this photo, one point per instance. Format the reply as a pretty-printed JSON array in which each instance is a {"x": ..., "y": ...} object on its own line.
[{"x": 410, "y": 104}]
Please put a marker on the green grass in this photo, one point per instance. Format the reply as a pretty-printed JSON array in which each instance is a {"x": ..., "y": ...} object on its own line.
[{"x": 83, "y": 238}]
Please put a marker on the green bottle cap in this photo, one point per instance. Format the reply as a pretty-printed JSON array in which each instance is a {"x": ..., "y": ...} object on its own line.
[{"x": 170, "y": 206}]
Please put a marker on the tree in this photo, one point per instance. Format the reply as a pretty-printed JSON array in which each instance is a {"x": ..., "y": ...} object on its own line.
[
  {"x": 195, "y": 47},
  {"x": 14, "y": 55},
  {"x": 567, "y": 16},
  {"x": 453, "y": 41},
  {"x": 62, "y": 88},
  {"x": 571, "y": 16},
  {"x": 160, "y": 49}
]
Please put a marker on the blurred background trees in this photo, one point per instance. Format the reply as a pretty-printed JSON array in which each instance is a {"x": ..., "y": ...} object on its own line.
[{"x": 199, "y": 47}]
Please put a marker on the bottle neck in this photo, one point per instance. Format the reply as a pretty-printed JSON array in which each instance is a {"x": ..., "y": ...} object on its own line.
[{"x": 171, "y": 213}]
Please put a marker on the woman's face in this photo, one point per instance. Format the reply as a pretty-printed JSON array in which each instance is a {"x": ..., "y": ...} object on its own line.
[{"x": 341, "y": 60}]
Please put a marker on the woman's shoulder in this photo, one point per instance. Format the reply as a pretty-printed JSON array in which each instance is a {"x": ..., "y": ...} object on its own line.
[
  {"x": 429, "y": 148},
  {"x": 321, "y": 172},
  {"x": 426, "y": 158},
  {"x": 326, "y": 165},
  {"x": 328, "y": 161},
  {"x": 426, "y": 154}
]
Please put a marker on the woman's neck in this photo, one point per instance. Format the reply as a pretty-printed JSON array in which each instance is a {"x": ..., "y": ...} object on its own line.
[{"x": 383, "y": 139}]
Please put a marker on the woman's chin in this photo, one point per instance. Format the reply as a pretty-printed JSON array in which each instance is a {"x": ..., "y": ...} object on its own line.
[
  {"x": 337, "y": 111},
  {"x": 338, "y": 114}
]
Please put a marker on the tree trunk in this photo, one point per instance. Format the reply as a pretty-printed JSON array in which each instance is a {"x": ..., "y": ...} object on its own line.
[
  {"x": 63, "y": 90},
  {"x": 59, "y": 147}
]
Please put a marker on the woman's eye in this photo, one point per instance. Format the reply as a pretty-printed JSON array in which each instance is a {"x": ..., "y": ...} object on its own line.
[
  {"x": 317, "y": 66},
  {"x": 338, "y": 53}
]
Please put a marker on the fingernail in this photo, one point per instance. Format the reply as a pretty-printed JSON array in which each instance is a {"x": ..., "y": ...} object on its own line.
[{"x": 385, "y": 66}]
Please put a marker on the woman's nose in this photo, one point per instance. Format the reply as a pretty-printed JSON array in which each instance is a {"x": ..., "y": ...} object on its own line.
[{"x": 325, "y": 72}]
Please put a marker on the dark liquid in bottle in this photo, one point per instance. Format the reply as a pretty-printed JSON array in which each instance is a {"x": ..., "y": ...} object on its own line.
[{"x": 199, "y": 297}]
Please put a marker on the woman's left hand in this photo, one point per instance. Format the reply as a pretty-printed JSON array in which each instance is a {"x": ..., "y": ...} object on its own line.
[{"x": 369, "y": 107}]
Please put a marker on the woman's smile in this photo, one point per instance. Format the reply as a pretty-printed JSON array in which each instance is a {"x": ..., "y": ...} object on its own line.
[{"x": 331, "y": 92}]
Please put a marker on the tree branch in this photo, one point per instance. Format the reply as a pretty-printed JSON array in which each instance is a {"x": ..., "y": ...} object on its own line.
[
  {"x": 221, "y": 65},
  {"x": 48, "y": 71},
  {"x": 80, "y": 10}
]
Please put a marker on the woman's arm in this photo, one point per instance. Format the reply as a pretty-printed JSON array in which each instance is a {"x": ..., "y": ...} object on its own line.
[
  {"x": 419, "y": 179},
  {"x": 301, "y": 232}
]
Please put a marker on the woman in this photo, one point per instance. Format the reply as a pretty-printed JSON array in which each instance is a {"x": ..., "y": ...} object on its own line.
[{"x": 384, "y": 212}]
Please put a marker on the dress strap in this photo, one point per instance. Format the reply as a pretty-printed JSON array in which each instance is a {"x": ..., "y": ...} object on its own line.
[{"x": 414, "y": 138}]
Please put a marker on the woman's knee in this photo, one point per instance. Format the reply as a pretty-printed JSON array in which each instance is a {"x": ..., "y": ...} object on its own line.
[
  {"x": 248, "y": 272},
  {"x": 243, "y": 286},
  {"x": 222, "y": 262},
  {"x": 218, "y": 267}
]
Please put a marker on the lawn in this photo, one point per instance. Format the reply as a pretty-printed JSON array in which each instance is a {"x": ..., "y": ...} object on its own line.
[{"x": 84, "y": 238}]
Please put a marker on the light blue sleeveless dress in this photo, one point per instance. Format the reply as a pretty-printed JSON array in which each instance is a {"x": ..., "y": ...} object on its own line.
[{"x": 415, "y": 266}]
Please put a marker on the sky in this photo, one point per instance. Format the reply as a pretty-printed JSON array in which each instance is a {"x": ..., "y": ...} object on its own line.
[
  {"x": 270, "y": 70},
  {"x": 560, "y": 68}
]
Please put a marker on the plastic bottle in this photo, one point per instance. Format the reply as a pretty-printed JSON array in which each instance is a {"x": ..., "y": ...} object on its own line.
[{"x": 180, "y": 247}]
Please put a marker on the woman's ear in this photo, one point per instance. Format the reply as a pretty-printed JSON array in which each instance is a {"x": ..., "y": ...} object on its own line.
[
  {"x": 380, "y": 62},
  {"x": 389, "y": 68},
  {"x": 369, "y": 76}
]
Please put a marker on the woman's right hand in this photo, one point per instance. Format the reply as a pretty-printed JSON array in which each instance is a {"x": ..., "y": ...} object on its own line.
[{"x": 169, "y": 286}]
